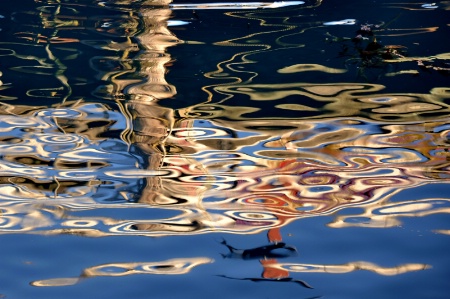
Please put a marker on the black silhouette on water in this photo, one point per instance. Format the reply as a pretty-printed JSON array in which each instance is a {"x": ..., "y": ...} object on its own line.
[
  {"x": 278, "y": 250},
  {"x": 286, "y": 279},
  {"x": 271, "y": 251}
]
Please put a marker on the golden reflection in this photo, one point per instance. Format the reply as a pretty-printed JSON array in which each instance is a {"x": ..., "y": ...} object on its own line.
[
  {"x": 339, "y": 100},
  {"x": 310, "y": 67},
  {"x": 443, "y": 231},
  {"x": 409, "y": 31},
  {"x": 350, "y": 267},
  {"x": 420, "y": 6},
  {"x": 168, "y": 267},
  {"x": 405, "y": 72},
  {"x": 280, "y": 26}
]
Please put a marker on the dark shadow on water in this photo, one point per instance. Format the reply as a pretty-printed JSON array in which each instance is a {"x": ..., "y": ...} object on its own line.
[
  {"x": 277, "y": 250},
  {"x": 285, "y": 279}
]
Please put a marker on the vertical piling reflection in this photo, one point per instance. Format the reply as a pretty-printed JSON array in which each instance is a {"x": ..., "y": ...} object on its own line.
[{"x": 152, "y": 123}]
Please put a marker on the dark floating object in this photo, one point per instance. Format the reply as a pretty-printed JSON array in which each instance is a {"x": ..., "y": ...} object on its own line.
[{"x": 278, "y": 250}]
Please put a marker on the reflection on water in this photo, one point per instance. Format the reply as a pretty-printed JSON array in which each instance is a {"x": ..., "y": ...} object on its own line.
[
  {"x": 170, "y": 267},
  {"x": 354, "y": 266},
  {"x": 115, "y": 123}
]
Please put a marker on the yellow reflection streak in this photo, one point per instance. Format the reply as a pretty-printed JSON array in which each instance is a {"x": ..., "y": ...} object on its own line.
[
  {"x": 338, "y": 99},
  {"x": 443, "y": 56},
  {"x": 50, "y": 20},
  {"x": 310, "y": 67},
  {"x": 351, "y": 267},
  {"x": 169, "y": 267},
  {"x": 409, "y": 31},
  {"x": 241, "y": 58},
  {"x": 318, "y": 92},
  {"x": 442, "y": 231}
]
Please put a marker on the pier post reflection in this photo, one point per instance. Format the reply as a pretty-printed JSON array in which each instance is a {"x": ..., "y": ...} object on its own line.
[{"x": 152, "y": 123}]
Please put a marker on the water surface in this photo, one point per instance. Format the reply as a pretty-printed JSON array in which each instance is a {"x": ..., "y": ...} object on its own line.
[{"x": 248, "y": 150}]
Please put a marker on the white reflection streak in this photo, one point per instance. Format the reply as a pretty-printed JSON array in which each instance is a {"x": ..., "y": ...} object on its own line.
[
  {"x": 386, "y": 214},
  {"x": 430, "y": 5},
  {"x": 176, "y": 23},
  {"x": 342, "y": 22},
  {"x": 353, "y": 266},
  {"x": 169, "y": 267},
  {"x": 236, "y": 5}
]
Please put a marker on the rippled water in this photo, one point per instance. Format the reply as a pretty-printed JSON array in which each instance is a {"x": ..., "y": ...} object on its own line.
[{"x": 248, "y": 150}]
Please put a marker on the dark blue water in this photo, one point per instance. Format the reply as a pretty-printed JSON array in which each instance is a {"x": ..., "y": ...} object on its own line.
[{"x": 152, "y": 149}]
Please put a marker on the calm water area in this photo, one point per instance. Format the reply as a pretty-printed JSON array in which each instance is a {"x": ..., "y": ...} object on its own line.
[{"x": 175, "y": 149}]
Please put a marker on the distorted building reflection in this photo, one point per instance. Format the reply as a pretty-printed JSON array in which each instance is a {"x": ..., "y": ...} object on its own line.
[{"x": 244, "y": 166}]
